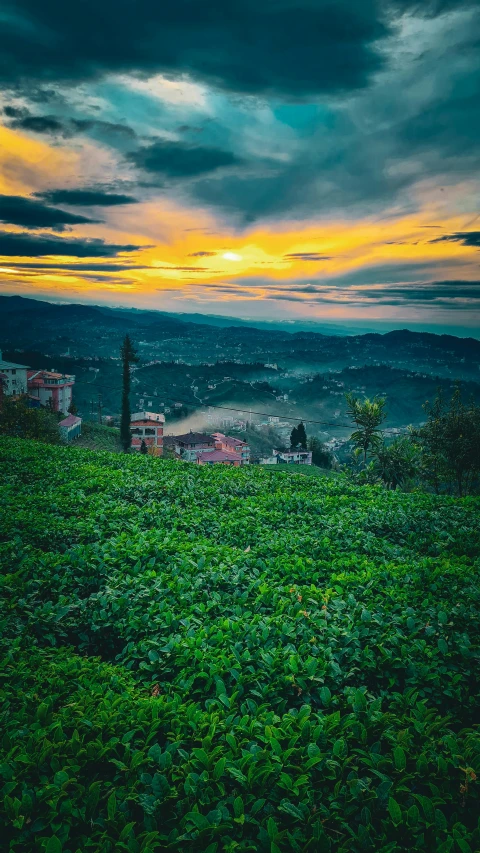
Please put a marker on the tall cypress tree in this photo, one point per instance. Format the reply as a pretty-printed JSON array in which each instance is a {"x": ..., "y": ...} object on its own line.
[
  {"x": 129, "y": 357},
  {"x": 301, "y": 436},
  {"x": 294, "y": 440}
]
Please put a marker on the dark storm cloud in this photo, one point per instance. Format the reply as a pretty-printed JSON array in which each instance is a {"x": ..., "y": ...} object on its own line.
[
  {"x": 468, "y": 238},
  {"x": 201, "y": 254},
  {"x": 293, "y": 47},
  {"x": 30, "y": 245},
  {"x": 21, "y": 119},
  {"x": 88, "y": 197},
  {"x": 179, "y": 160},
  {"x": 31, "y": 213},
  {"x": 418, "y": 120}
]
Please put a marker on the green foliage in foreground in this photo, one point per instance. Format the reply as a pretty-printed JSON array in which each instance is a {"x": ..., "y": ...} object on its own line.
[
  {"x": 203, "y": 659},
  {"x": 99, "y": 437}
]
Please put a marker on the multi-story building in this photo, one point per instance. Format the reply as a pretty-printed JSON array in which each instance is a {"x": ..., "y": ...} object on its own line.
[
  {"x": 289, "y": 457},
  {"x": 294, "y": 457},
  {"x": 51, "y": 389},
  {"x": 147, "y": 427},
  {"x": 15, "y": 381},
  {"x": 187, "y": 446},
  {"x": 231, "y": 444}
]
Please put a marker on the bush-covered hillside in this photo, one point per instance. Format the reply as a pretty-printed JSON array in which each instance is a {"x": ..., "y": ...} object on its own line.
[{"x": 203, "y": 659}]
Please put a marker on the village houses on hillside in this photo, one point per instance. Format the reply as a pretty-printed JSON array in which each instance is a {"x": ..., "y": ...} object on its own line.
[
  {"x": 45, "y": 387},
  {"x": 204, "y": 449}
]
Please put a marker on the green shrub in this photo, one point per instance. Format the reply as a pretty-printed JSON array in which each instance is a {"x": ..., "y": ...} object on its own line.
[{"x": 203, "y": 659}]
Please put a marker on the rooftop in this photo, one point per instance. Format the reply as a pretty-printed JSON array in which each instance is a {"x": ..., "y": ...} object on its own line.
[
  {"x": 194, "y": 438},
  {"x": 10, "y": 365},
  {"x": 71, "y": 420},
  {"x": 147, "y": 416},
  {"x": 219, "y": 456}
]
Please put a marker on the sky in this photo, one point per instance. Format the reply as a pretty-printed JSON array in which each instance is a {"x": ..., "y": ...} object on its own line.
[{"x": 269, "y": 159}]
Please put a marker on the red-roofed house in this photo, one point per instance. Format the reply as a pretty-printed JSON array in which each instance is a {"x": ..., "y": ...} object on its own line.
[
  {"x": 70, "y": 427},
  {"x": 51, "y": 389},
  {"x": 147, "y": 427},
  {"x": 218, "y": 457},
  {"x": 232, "y": 445}
]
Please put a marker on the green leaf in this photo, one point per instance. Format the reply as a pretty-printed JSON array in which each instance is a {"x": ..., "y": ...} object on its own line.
[
  {"x": 53, "y": 845},
  {"x": 272, "y": 828},
  {"x": 238, "y": 807},
  {"x": 198, "y": 819},
  {"x": 440, "y": 820},
  {"x": 359, "y": 701},
  {"x": 325, "y": 695},
  {"x": 427, "y": 807},
  {"x": 219, "y": 768},
  {"x": 60, "y": 778},
  {"x": 399, "y": 758},
  {"x": 413, "y": 816},
  {"x": 394, "y": 811},
  {"x": 442, "y": 646},
  {"x": 291, "y": 809},
  {"x": 126, "y": 830},
  {"x": 111, "y": 805},
  {"x": 92, "y": 799}
]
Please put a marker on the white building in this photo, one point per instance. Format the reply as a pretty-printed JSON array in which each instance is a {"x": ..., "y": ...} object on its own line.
[{"x": 15, "y": 377}]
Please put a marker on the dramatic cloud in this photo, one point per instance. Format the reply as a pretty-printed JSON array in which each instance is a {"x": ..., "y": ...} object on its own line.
[
  {"x": 178, "y": 160},
  {"x": 22, "y": 119},
  {"x": 88, "y": 197},
  {"x": 29, "y": 246},
  {"x": 468, "y": 238},
  {"x": 290, "y": 47},
  {"x": 324, "y": 155},
  {"x": 30, "y": 213}
]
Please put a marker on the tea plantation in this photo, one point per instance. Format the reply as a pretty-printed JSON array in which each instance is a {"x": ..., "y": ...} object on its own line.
[{"x": 200, "y": 659}]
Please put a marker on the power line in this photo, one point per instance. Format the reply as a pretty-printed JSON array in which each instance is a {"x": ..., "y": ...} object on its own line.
[{"x": 251, "y": 411}]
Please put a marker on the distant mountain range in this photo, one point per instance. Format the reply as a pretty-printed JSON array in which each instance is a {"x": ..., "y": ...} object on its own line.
[{"x": 283, "y": 372}]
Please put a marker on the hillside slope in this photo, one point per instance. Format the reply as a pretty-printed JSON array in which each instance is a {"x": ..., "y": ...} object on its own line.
[{"x": 203, "y": 659}]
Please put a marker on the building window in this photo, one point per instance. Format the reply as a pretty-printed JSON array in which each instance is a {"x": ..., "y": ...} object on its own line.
[
  {"x": 13, "y": 372},
  {"x": 149, "y": 431},
  {"x": 136, "y": 431}
]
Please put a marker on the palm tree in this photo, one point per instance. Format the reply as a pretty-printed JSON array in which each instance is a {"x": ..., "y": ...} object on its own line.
[{"x": 367, "y": 415}]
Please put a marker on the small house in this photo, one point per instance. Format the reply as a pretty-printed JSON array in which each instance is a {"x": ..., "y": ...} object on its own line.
[{"x": 70, "y": 427}]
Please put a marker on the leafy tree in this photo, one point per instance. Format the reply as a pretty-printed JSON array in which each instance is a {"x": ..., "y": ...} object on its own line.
[
  {"x": 367, "y": 415},
  {"x": 18, "y": 419},
  {"x": 396, "y": 463},
  {"x": 72, "y": 409},
  {"x": 129, "y": 357},
  {"x": 320, "y": 455},
  {"x": 143, "y": 447},
  {"x": 450, "y": 444}
]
